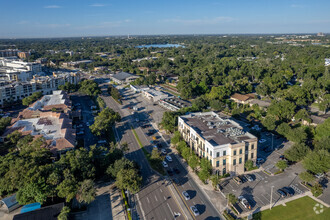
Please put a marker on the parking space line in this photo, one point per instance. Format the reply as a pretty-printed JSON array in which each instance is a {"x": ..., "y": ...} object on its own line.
[
  {"x": 156, "y": 198},
  {"x": 148, "y": 200},
  {"x": 260, "y": 201}
]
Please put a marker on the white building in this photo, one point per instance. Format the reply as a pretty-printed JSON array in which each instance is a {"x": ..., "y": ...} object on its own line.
[
  {"x": 154, "y": 95},
  {"x": 327, "y": 61}
]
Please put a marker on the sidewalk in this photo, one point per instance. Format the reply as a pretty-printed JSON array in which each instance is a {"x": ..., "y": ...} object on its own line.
[{"x": 117, "y": 206}]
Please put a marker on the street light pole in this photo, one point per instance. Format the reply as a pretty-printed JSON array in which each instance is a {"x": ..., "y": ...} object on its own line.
[{"x": 271, "y": 197}]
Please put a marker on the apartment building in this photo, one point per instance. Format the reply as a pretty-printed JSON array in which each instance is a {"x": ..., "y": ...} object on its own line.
[
  {"x": 9, "y": 52},
  {"x": 219, "y": 139},
  {"x": 49, "y": 117},
  {"x": 11, "y": 91}
]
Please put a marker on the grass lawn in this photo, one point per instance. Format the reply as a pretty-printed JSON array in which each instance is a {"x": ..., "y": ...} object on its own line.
[{"x": 298, "y": 209}]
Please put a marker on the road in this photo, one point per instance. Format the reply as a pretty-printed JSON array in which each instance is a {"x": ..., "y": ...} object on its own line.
[
  {"x": 186, "y": 183},
  {"x": 155, "y": 200}
]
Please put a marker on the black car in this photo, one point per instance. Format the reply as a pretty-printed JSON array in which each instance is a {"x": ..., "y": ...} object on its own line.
[
  {"x": 243, "y": 178},
  {"x": 288, "y": 190},
  {"x": 281, "y": 192},
  {"x": 176, "y": 170}
]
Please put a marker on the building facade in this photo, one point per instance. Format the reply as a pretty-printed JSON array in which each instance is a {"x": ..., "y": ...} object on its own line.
[{"x": 220, "y": 140}]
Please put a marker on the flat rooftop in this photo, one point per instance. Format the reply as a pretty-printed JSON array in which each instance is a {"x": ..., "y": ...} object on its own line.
[
  {"x": 58, "y": 97},
  {"x": 177, "y": 102},
  {"x": 154, "y": 92},
  {"x": 217, "y": 130}
]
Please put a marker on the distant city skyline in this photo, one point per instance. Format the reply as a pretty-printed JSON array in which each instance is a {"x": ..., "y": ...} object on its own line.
[{"x": 68, "y": 18}]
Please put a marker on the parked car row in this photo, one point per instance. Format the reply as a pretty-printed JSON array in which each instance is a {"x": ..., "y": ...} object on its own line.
[
  {"x": 243, "y": 178},
  {"x": 285, "y": 191}
]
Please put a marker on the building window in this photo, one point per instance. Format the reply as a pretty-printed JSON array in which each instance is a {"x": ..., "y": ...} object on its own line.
[
  {"x": 210, "y": 153},
  {"x": 240, "y": 151},
  {"x": 223, "y": 171},
  {"x": 234, "y": 162},
  {"x": 251, "y": 155},
  {"x": 224, "y": 153},
  {"x": 252, "y": 146},
  {"x": 224, "y": 162},
  {"x": 218, "y": 154},
  {"x": 246, "y": 147},
  {"x": 234, "y": 152},
  {"x": 217, "y": 164},
  {"x": 240, "y": 161},
  {"x": 211, "y": 161},
  {"x": 207, "y": 149}
]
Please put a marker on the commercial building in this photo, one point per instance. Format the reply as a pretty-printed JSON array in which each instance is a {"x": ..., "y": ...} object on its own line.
[
  {"x": 220, "y": 140},
  {"x": 154, "y": 95},
  {"x": 138, "y": 89},
  {"x": 173, "y": 103},
  {"x": 123, "y": 77}
]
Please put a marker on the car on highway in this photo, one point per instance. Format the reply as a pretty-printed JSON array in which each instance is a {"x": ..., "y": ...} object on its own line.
[
  {"x": 249, "y": 177},
  {"x": 237, "y": 180},
  {"x": 244, "y": 202},
  {"x": 262, "y": 141},
  {"x": 164, "y": 164},
  {"x": 169, "y": 158},
  {"x": 185, "y": 195},
  {"x": 288, "y": 190},
  {"x": 164, "y": 151},
  {"x": 194, "y": 210},
  {"x": 281, "y": 192}
]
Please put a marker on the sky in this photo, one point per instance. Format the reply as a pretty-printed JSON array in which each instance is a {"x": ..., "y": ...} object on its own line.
[{"x": 74, "y": 18}]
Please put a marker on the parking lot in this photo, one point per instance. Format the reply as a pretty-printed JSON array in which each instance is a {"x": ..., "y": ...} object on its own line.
[{"x": 258, "y": 191}]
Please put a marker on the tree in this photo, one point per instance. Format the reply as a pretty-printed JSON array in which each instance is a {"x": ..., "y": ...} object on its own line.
[
  {"x": 269, "y": 122},
  {"x": 282, "y": 164},
  {"x": 100, "y": 102},
  {"x": 104, "y": 121},
  {"x": 32, "y": 98},
  {"x": 86, "y": 192},
  {"x": 129, "y": 179},
  {"x": 181, "y": 146},
  {"x": 89, "y": 87},
  {"x": 32, "y": 192},
  {"x": 4, "y": 122},
  {"x": 14, "y": 137},
  {"x": 296, "y": 152},
  {"x": 297, "y": 135},
  {"x": 119, "y": 165},
  {"x": 67, "y": 189},
  {"x": 231, "y": 198},
  {"x": 306, "y": 177},
  {"x": 248, "y": 165},
  {"x": 302, "y": 114},
  {"x": 283, "y": 110},
  {"x": 186, "y": 152},
  {"x": 155, "y": 155},
  {"x": 193, "y": 161},
  {"x": 215, "y": 180},
  {"x": 176, "y": 138},
  {"x": 317, "y": 161},
  {"x": 64, "y": 215},
  {"x": 322, "y": 130}
]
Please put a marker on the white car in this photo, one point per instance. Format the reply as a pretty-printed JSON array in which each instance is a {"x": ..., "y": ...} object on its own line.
[
  {"x": 163, "y": 151},
  {"x": 164, "y": 164},
  {"x": 194, "y": 210},
  {"x": 102, "y": 142},
  {"x": 169, "y": 158},
  {"x": 185, "y": 195},
  {"x": 244, "y": 202},
  {"x": 262, "y": 141}
]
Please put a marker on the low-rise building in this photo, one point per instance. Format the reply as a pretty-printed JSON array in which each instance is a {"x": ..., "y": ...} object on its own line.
[
  {"x": 154, "y": 95},
  {"x": 174, "y": 103},
  {"x": 242, "y": 99},
  {"x": 123, "y": 77},
  {"x": 138, "y": 89},
  {"x": 327, "y": 61},
  {"x": 220, "y": 140},
  {"x": 9, "y": 52}
]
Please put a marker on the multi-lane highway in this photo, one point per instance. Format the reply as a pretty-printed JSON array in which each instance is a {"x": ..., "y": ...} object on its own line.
[{"x": 155, "y": 200}]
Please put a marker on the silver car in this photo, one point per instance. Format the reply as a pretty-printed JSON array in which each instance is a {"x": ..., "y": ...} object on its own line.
[
  {"x": 185, "y": 195},
  {"x": 194, "y": 210}
]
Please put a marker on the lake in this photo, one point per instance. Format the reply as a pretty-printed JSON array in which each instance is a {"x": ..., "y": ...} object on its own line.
[{"x": 159, "y": 45}]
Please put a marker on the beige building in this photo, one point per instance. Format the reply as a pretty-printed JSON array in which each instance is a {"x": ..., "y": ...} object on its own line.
[{"x": 219, "y": 139}]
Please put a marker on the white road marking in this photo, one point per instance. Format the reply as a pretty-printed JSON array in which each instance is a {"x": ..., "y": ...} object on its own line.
[
  {"x": 164, "y": 198},
  {"x": 156, "y": 198},
  {"x": 148, "y": 200},
  {"x": 189, "y": 184},
  {"x": 161, "y": 190},
  {"x": 170, "y": 208}
]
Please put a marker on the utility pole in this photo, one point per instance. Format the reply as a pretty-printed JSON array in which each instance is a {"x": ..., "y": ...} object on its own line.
[{"x": 271, "y": 197}]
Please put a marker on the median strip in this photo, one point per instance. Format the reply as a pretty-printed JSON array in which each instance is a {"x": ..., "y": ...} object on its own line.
[{"x": 156, "y": 165}]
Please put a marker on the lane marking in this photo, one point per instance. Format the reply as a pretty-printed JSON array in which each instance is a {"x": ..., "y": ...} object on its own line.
[
  {"x": 170, "y": 208},
  {"x": 156, "y": 198},
  {"x": 161, "y": 190},
  {"x": 148, "y": 200}
]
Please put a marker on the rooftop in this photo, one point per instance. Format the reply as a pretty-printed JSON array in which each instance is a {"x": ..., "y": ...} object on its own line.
[
  {"x": 217, "y": 130},
  {"x": 154, "y": 92},
  {"x": 58, "y": 98},
  {"x": 122, "y": 75}
]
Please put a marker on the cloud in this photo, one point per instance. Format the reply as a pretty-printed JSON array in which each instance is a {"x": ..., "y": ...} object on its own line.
[
  {"x": 97, "y": 5},
  {"x": 206, "y": 21},
  {"x": 23, "y": 22},
  {"x": 297, "y": 6},
  {"x": 52, "y": 6}
]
